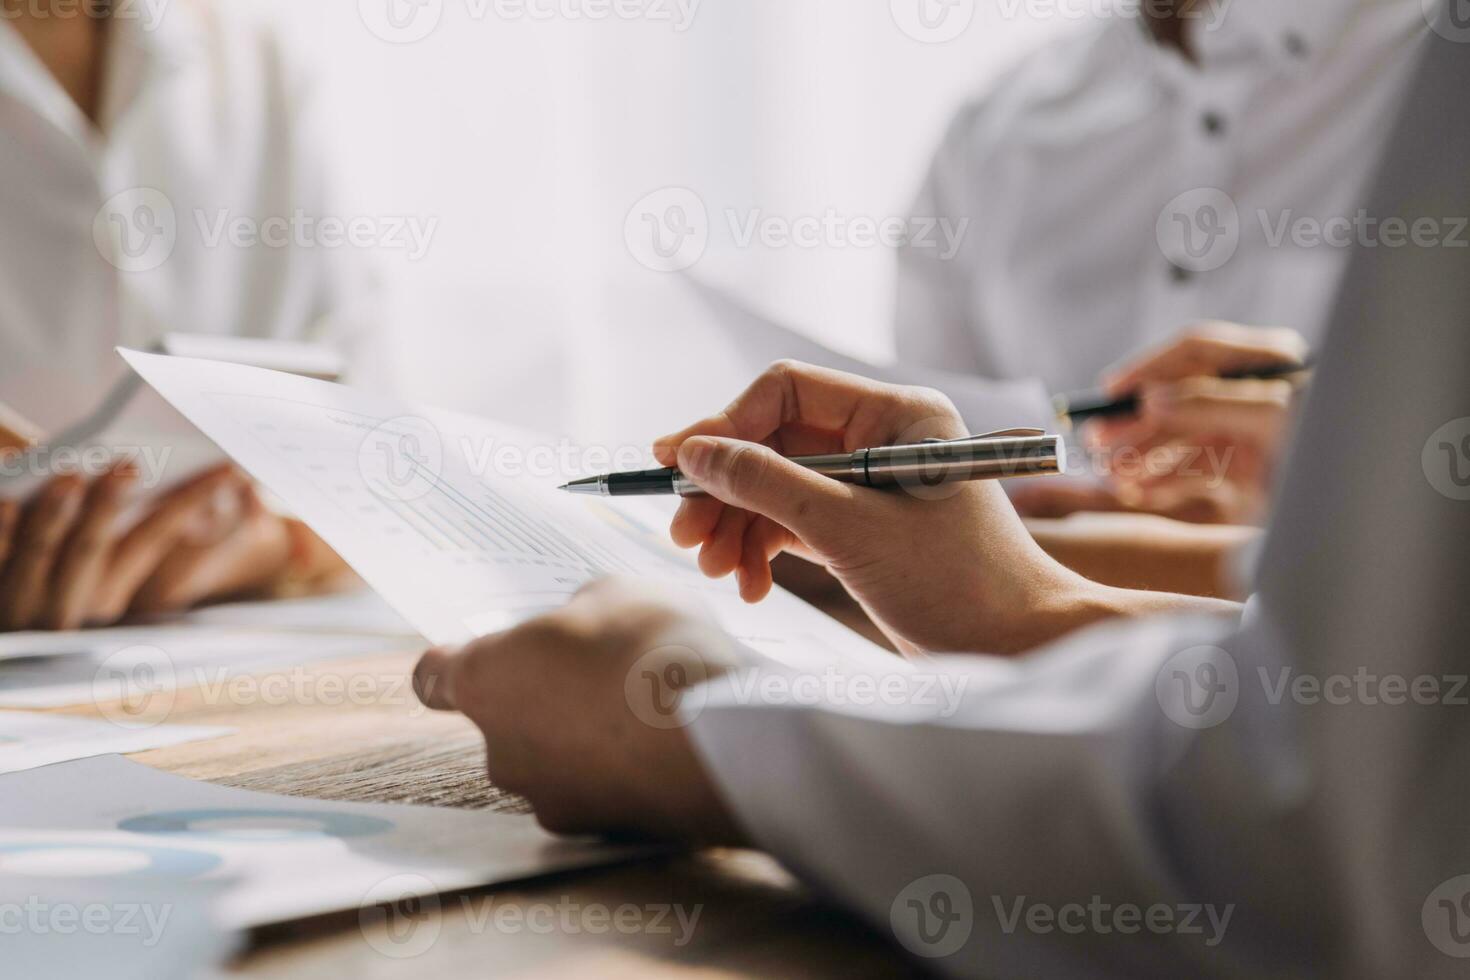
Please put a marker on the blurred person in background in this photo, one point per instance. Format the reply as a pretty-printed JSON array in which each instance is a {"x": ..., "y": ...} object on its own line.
[
  {"x": 136, "y": 140},
  {"x": 1133, "y": 181}
]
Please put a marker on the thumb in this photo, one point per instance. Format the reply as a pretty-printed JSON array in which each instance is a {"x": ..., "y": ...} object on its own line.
[
  {"x": 431, "y": 680},
  {"x": 758, "y": 479}
]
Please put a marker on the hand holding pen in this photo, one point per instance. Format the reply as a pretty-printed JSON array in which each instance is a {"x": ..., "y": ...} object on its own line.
[
  {"x": 1190, "y": 430},
  {"x": 884, "y": 545}
]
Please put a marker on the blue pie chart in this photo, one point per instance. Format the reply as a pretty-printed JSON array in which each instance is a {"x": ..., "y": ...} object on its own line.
[{"x": 77, "y": 860}]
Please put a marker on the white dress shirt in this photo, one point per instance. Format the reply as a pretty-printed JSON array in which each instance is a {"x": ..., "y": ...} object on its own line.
[
  {"x": 111, "y": 232},
  {"x": 1071, "y": 171},
  {"x": 1279, "y": 797}
]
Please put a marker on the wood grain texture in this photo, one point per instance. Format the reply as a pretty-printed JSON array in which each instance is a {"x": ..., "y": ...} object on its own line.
[{"x": 354, "y": 731}]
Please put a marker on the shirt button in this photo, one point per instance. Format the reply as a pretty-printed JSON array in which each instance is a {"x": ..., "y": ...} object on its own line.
[
  {"x": 1296, "y": 45},
  {"x": 1213, "y": 122},
  {"x": 1179, "y": 274}
]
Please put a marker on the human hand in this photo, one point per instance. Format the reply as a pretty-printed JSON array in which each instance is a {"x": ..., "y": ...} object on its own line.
[
  {"x": 570, "y": 724},
  {"x": 943, "y": 569},
  {"x": 1206, "y": 446},
  {"x": 65, "y": 563}
]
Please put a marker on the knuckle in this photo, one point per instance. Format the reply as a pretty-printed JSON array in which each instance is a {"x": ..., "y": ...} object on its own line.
[
  {"x": 939, "y": 402},
  {"x": 747, "y": 466},
  {"x": 785, "y": 367}
]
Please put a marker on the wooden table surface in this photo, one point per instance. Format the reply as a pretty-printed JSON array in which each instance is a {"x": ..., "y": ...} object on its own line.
[{"x": 379, "y": 745}]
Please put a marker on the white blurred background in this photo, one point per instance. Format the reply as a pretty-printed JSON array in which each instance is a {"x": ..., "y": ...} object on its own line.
[{"x": 530, "y": 128}]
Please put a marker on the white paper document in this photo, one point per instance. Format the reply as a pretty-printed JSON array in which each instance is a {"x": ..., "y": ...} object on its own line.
[
  {"x": 276, "y": 858},
  {"x": 454, "y": 520},
  {"x": 28, "y": 741}
]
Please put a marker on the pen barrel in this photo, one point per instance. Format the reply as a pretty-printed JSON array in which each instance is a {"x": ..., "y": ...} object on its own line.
[
  {"x": 645, "y": 483},
  {"x": 920, "y": 466},
  {"x": 928, "y": 465}
]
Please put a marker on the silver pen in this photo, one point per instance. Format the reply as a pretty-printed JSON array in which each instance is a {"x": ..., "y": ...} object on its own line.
[{"x": 928, "y": 464}]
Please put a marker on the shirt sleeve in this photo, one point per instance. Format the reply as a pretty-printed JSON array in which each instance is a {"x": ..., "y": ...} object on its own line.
[
  {"x": 1047, "y": 806},
  {"x": 1279, "y": 796}
]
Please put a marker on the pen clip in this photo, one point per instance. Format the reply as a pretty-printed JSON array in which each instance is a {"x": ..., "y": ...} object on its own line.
[{"x": 998, "y": 434}]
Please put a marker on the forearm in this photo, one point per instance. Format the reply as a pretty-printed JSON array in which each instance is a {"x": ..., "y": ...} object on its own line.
[
  {"x": 1134, "y": 551},
  {"x": 1071, "y": 602}
]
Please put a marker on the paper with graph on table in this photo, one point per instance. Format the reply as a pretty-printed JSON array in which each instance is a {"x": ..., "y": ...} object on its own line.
[
  {"x": 450, "y": 518},
  {"x": 272, "y": 858}
]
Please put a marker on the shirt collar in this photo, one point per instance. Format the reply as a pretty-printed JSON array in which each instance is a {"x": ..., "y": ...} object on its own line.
[
  {"x": 151, "y": 39},
  {"x": 24, "y": 78},
  {"x": 147, "y": 40}
]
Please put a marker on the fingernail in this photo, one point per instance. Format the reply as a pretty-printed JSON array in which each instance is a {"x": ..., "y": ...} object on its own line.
[
  {"x": 431, "y": 680},
  {"x": 694, "y": 457}
]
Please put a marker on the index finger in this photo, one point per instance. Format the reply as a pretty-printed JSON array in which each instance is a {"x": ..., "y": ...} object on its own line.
[
  {"x": 1210, "y": 350},
  {"x": 791, "y": 393}
]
